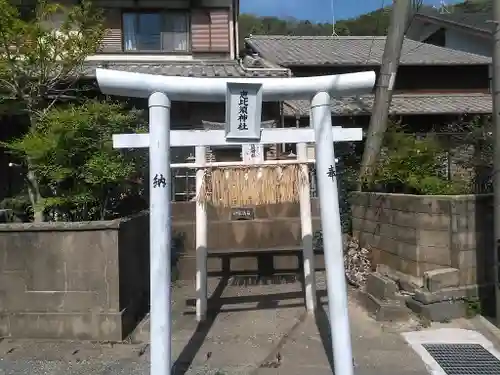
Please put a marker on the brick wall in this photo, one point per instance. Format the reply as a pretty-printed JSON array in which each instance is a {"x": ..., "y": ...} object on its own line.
[{"x": 414, "y": 234}]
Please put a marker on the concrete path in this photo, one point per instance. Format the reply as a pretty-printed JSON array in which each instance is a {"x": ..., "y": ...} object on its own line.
[{"x": 259, "y": 329}]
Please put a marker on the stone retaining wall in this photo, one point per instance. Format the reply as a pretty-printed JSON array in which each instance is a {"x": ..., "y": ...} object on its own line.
[
  {"x": 79, "y": 281},
  {"x": 414, "y": 234},
  {"x": 439, "y": 248}
]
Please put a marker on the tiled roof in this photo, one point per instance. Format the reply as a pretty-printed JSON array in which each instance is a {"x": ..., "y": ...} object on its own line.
[
  {"x": 474, "y": 21},
  {"x": 403, "y": 104},
  {"x": 356, "y": 50},
  {"x": 187, "y": 69}
]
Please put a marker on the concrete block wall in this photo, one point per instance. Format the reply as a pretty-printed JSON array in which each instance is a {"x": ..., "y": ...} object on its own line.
[
  {"x": 413, "y": 234},
  {"x": 83, "y": 281}
]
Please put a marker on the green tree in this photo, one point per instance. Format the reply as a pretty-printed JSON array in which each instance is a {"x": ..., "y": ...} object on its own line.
[
  {"x": 79, "y": 173},
  {"x": 43, "y": 54},
  {"x": 413, "y": 165}
]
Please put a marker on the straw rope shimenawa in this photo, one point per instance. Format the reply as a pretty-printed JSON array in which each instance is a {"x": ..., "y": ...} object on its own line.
[{"x": 251, "y": 185}]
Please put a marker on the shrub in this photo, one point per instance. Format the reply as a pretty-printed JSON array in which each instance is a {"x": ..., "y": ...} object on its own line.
[
  {"x": 413, "y": 165},
  {"x": 81, "y": 177}
]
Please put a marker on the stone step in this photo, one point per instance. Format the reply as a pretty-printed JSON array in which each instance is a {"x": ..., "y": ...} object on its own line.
[
  {"x": 443, "y": 311},
  {"x": 382, "y": 287},
  {"x": 259, "y": 262},
  {"x": 384, "y": 310}
]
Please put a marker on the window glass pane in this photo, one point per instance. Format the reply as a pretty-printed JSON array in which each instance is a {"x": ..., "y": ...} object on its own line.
[
  {"x": 175, "y": 32},
  {"x": 156, "y": 31},
  {"x": 149, "y": 35},
  {"x": 129, "y": 31}
]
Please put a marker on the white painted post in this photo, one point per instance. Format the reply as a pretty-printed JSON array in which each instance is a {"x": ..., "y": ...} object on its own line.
[
  {"x": 160, "y": 232},
  {"x": 201, "y": 239},
  {"x": 332, "y": 234},
  {"x": 307, "y": 233}
]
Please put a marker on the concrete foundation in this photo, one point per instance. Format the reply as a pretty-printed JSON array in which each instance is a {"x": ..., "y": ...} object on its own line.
[{"x": 77, "y": 281}]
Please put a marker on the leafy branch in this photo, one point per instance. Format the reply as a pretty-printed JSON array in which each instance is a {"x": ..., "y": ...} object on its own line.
[{"x": 42, "y": 57}]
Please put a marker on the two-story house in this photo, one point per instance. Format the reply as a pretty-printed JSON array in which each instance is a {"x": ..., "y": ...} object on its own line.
[
  {"x": 455, "y": 29},
  {"x": 192, "y": 38},
  {"x": 433, "y": 87},
  {"x": 433, "y": 83}
]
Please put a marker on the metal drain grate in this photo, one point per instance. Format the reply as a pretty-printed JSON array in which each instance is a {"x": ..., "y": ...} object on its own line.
[{"x": 464, "y": 359}]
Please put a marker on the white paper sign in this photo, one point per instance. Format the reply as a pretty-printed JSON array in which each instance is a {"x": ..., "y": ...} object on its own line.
[
  {"x": 243, "y": 110},
  {"x": 252, "y": 153}
]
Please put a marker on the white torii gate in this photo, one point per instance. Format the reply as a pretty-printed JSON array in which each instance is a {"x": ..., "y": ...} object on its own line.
[{"x": 160, "y": 90}]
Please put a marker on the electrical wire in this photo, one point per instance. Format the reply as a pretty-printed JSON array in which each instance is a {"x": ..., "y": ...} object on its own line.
[
  {"x": 375, "y": 36},
  {"x": 419, "y": 4}
]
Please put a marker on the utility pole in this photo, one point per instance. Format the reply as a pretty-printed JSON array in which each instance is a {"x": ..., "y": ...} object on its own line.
[
  {"x": 385, "y": 84},
  {"x": 496, "y": 160}
]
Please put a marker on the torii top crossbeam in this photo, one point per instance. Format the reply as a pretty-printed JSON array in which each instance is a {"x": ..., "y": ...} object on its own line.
[{"x": 140, "y": 85}]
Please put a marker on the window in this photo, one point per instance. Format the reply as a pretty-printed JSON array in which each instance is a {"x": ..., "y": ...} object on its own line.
[{"x": 155, "y": 31}]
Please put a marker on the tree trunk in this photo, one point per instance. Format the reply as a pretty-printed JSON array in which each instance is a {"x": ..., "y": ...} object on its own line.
[
  {"x": 35, "y": 196},
  {"x": 33, "y": 187}
]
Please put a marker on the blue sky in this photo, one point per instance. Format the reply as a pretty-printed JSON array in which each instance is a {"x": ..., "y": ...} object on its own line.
[{"x": 317, "y": 10}]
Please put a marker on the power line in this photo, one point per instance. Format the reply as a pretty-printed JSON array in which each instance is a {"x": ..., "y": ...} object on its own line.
[
  {"x": 375, "y": 31},
  {"x": 417, "y": 4}
]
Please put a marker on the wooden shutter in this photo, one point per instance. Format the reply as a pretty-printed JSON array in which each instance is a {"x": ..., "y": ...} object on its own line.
[
  {"x": 210, "y": 30},
  {"x": 219, "y": 30},
  {"x": 200, "y": 30}
]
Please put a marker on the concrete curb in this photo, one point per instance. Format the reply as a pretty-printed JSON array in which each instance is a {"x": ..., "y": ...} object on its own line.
[{"x": 489, "y": 326}]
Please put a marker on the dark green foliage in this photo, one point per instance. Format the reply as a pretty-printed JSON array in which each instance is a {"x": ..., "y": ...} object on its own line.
[
  {"x": 81, "y": 176},
  {"x": 456, "y": 160},
  {"x": 39, "y": 65},
  {"x": 413, "y": 165}
]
